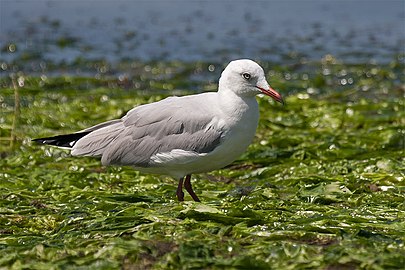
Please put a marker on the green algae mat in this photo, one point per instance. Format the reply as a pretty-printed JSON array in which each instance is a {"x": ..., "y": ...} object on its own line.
[{"x": 321, "y": 187}]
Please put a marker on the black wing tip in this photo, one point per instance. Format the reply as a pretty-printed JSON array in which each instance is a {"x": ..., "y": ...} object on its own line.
[
  {"x": 55, "y": 142},
  {"x": 48, "y": 141},
  {"x": 67, "y": 140},
  {"x": 39, "y": 141}
]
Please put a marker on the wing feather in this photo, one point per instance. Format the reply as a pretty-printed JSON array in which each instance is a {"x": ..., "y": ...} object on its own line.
[{"x": 182, "y": 124}]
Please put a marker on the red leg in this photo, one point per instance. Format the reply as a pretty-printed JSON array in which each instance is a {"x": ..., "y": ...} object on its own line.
[
  {"x": 189, "y": 188},
  {"x": 179, "y": 192}
]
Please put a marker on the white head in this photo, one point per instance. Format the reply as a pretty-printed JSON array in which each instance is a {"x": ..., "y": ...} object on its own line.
[{"x": 246, "y": 78}]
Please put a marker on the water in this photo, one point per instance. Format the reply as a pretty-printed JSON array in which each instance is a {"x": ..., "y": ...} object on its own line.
[{"x": 43, "y": 32}]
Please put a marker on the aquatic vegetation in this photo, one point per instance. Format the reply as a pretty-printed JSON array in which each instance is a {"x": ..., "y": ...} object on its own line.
[{"x": 322, "y": 186}]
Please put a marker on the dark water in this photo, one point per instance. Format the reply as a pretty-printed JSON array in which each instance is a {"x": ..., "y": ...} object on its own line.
[{"x": 42, "y": 32}]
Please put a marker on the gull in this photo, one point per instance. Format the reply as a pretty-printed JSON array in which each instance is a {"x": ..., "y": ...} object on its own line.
[{"x": 180, "y": 136}]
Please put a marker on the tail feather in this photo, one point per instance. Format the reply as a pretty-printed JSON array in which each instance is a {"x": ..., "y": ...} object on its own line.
[{"x": 67, "y": 140}]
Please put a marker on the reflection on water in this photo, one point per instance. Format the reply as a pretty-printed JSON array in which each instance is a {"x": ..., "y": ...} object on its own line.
[{"x": 44, "y": 33}]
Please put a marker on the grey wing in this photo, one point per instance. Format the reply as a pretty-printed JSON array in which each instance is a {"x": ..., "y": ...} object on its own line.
[
  {"x": 101, "y": 136},
  {"x": 147, "y": 130}
]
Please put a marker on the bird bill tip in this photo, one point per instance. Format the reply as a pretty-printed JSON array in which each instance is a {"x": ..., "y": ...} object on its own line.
[{"x": 272, "y": 93}]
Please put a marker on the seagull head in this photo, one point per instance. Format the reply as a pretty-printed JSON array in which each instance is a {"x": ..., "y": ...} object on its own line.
[{"x": 245, "y": 77}]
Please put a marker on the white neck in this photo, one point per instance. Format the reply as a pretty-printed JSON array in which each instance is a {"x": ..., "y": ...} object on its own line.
[{"x": 238, "y": 107}]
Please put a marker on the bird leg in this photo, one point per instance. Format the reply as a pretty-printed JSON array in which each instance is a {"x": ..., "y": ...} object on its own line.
[
  {"x": 179, "y": 192},
  {"x": 189, "y": 188}
]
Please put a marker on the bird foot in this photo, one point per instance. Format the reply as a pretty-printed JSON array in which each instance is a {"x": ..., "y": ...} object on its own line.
[{"x": 188, "y": 187}]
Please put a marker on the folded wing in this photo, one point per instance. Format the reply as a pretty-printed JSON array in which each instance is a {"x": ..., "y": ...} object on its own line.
[{"x": 150, "y": 131}]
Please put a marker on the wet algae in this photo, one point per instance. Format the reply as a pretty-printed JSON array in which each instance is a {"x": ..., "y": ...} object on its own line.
[{"x": 321, "y": 187}]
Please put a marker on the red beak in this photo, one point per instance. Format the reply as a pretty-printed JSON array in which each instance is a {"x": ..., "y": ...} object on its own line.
[{"x": 272, "y": 93}]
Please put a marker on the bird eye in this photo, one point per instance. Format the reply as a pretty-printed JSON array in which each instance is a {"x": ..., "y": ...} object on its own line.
[{"x": 246, "y": 76}]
